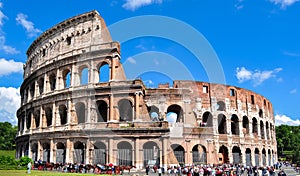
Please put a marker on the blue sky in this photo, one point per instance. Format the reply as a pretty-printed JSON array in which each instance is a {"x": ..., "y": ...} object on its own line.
[{"x": 257, "y": 43}]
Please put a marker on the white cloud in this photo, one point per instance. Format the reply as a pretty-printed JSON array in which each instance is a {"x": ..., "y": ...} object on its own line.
[
  {"x": 293, "y": 91},
  {"x": 9, "y": 103},
  {"x": 10, "y": 66},
  {"x": 135, "y": 4},
  {"x": 149, "y": 83},
  {"x": 256, "y": 76},
  {"x": 285, "y": 120},
  {"x": 284, "y": 3},
  {"x": 239, "y": 5},
  {"x": 28, "y": 25},
  {"x": 131, "y": 60}
]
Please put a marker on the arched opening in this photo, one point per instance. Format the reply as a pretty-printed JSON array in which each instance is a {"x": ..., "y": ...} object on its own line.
[
  {"x": 151, "y": 154},
  {"x": 223, "y": 155},
  {"x": 84, "y": 76},
  {"x": 80, "y": 112},
  {"x": 34, "y": 151},
  {"x": 254, "y": 126},
  {"x": 60, "y": 153},
  {"x": 124, "y": 157},
  {"x": 67, "y": 78},
  {"x": 260, "y": 113},
  {"x": 41, "y": 85},
  {"x": 178, "y": 151},
  {"x": 37, "y": 118},
  {"x": 248, "y": 157},
  {"x": 237, "y": 155},
  {"x": 125, "y": 110},
  {"x": 52, "y": 81},
  {"x": 79, "y": 152},
  {"x": 222, "y": 128},
  {"x": 245, "y": 125},
  {"x": 102, "y": 111},
  {"x": 264, "y": 157},
  {"x": 63, "y": 114},
  {"x": 221, "y": 106},
  {"x": 262, "y": 130},
  {"x": 235, "y": 125},
  {"x": 46, "y": 152},
  {"x": 267, "y": 130},
  {"x": 99, "y": 153},
  {"x": 26, "y": 149},
  {"x": 32, "y": 90},
  {"x": 199, "y": 154},
  {"x": 104, "y": 73},
  {"x": 48, "y": 112},
  {"x": 177, "y": 110},
  {"x": 256, "y": 157},
  {"x": 28, "y": 120},
  {"x": 207, "y": 120},
  {"x": 153, "y": 113}
]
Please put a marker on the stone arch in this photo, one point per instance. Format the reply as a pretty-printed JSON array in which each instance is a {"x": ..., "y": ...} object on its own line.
[
  {"x": 222, "y": 126},
  {"x": 237, "y": 155},
  {"x": 48, "y": 112},
  {"x": 28, "y": 120},
  {"x": 84, "y": 75},
  {"x": 257, "y": 155},
  {"x": 41, "y": 85},
  {"x": 66, "y": 74},
  {"x": 80, "y": 112},
  {"x": 221, "y": 106},
  {"x": 63, "y": 113},
  {"x": 124, "y": 153},
  {"x": 235, "y": 125},
  {"x": 153, "y": 113},
  {"x": 223, "y": 155},
  {"x": 267, "y": 130},
  {"x": 179, "y": 152},
  {"x": 46, "y": 152},
  {"x": 125, "y": 110},
  {"x": 99, "y": 153},
  {"x": 32, "y": 90},
  {"x": 207, "y": 119},
  {"x": 102, "y": 108},
  {"x": 60, "y": 153},
  {"x": 52, "y": 81},
  {"x": 248, "y": 157},
  {"x": 34, "y": 152},
  {"x": 178, "y": 110},
  {"x": 104, "y": 72},
  {"x": 79, "y": 154},
  {"x": 262, "y": 130},
  {"x": 151, "y": 153},
  {"x": 264, "y": 157},
  {"x": 245, "y": 125},
  {"x": 199, "y": 154},
  {"x": 37, "y": 118},
  {"x": 254, "y": 126}
]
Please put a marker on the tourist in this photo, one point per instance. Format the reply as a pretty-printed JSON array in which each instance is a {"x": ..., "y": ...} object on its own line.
[
  {"x": 29, "y": 167},
  {"x": 147, "y": 169},
  {"x": 159, "y": 171}
]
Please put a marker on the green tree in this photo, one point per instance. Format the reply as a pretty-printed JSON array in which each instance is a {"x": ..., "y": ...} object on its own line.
[{"x": 7, "y": 136}]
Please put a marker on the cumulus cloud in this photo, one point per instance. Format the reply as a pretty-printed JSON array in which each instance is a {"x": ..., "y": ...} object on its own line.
[
  {"x": 9, "y": 103},
  {"x": 256, "y": 76},
  {"x": 135, "y": 4},
  {"x": 285, "y": 120},
  {"x": 3, "y": 46},
  {"x": 293, "y": 91},
  {"x": 284, "y": 3},
  {"x": 28, "y": 25},
  {"x": 10, "y": 66}
]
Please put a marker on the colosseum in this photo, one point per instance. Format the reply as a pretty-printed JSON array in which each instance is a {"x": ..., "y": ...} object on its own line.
[{"x": 70, "y": 113}]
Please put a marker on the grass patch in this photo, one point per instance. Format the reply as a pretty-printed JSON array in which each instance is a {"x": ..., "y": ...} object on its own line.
[
  {"x": 39, "y": 173},
  {"x": 11, "y": 153}
]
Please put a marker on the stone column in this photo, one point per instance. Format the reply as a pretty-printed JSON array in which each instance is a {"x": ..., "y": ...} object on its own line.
[
  {"x": 69, "y": 111},
  {"x": 112, "y": 69},
  {"x": 58, "y": 78},
  {"x": 137, "y": 104},
  {"x": 111, "y": 157},
  {"x": 164, "y": 152},
  {"x": 87, "y": 151},
  {"x": 52, "y": 149},
  {"x": 40, "y": 150},
  {"x": 41, "y": 116},
  {"x": 29, "y": 150},
  {"x": 253, "y": 157},
  {"x": 45, "y": 84},
  {"x": 111, "y": 108},
  {"x": 69, "y": 157},
  {"x": 138, "y": 160},
  {"x": 53, "y": 115},
  {"x": 211, "y": 153}
]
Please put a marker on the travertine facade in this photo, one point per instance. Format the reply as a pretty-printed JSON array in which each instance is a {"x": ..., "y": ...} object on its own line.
[{"x": 70, "y": 113}]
